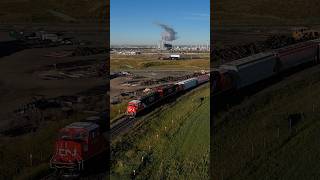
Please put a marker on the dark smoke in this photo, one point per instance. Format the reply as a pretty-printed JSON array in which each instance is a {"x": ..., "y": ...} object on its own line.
[{"x": 168, "y": 34}]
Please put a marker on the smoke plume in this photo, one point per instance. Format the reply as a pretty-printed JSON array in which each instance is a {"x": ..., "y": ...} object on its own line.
[{"x": 168, "y": 34}]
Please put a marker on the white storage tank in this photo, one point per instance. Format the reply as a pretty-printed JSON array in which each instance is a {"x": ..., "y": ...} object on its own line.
[{"x": 175, "y": 56}]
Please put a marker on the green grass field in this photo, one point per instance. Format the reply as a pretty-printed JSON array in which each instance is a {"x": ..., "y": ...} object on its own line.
[
  {"x": 117, "y": 110},
  {"x": 172, "y": 143},
  {"x": 254, "y": 139},
  {"x": 121, "y": 62}
]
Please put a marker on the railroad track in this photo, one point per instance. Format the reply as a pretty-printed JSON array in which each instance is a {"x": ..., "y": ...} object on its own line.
[
  {"x": 122, "y": 123},
  {"x": 54, "y": 176}
]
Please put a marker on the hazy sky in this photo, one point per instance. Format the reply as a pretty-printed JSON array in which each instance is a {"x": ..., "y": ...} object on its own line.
[{"x": 134, "y": 21}]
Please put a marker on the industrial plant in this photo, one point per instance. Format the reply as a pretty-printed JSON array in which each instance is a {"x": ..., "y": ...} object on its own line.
[{"x": 165, "y": 46}]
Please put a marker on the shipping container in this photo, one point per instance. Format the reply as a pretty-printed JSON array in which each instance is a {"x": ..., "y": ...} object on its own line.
[
  {"x": 188, "y": 84},
  {"x": 295, "y": 55},
  {"x": 252, "y": 69}
]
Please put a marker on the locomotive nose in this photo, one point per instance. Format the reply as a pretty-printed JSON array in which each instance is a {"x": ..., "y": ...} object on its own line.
[
  {"x": 67, "y": 151},
  {"x": 131, "y": 110}
]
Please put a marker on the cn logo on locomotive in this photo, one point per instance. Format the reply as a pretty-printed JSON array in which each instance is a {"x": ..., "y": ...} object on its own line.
[{"x": 67, "y": 152}]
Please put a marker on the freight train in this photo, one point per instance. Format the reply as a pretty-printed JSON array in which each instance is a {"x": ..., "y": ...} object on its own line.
[
  {"x": 78, "y": 144},
  {"x": 242, "y": 73},
  {"x": 160, "y": 93}
]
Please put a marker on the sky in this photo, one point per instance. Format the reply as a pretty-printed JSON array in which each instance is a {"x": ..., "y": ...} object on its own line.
[{"x": 134, "y": 22}]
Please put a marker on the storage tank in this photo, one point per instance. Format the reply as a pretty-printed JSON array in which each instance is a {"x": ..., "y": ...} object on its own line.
[
  {"x": 175, "y": 56},
  {"x": 252, "y": 69}
]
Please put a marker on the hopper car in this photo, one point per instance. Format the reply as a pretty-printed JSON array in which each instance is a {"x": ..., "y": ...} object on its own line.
[{"x": 238, "y": 74}]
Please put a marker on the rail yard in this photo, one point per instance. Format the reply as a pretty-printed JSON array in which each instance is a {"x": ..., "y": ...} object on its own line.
[{"x": 144, "y": 72}]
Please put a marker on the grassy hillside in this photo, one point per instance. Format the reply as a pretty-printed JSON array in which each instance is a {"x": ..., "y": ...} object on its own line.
[
  {"x": 52, "y": 10},
  {"x": 263, "y": 12},
  {"x": 174, "y": 142},
  {"x": 254, "y": 140}
]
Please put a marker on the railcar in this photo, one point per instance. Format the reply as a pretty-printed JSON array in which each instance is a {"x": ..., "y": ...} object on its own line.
[
  {"x": 297, "y": 54},
  {"x": 252, "y": 69},
  {"x": 248, "y": 71},
  {"x": 203, "y": 78}
]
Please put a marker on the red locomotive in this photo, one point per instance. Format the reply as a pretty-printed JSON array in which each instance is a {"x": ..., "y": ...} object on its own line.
[
  {"x": 76, "y": 145},
  {"x": 161, "y": 93},
  {"x": 151, "y": 98},
  {"x": 134, "y": 107}
]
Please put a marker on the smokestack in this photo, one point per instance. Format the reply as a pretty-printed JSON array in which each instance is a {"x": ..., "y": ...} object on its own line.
[{"x": 168, "y": 34}]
